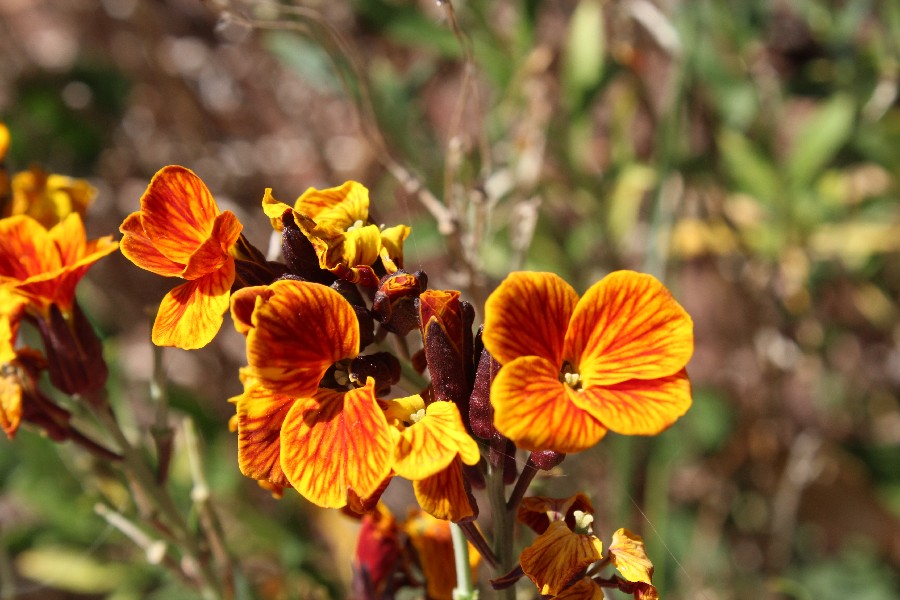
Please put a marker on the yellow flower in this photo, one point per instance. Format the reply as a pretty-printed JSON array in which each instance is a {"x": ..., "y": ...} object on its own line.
[{"x": 47, "y": 197}]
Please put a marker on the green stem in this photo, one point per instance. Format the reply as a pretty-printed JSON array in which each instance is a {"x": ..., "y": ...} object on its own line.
[
  {"x": 464, "y": 589},
  {"x": 503, "y": 543}
]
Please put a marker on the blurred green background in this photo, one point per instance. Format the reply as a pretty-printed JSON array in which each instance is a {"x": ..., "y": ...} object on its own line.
[{"x": 748, "y": 153}]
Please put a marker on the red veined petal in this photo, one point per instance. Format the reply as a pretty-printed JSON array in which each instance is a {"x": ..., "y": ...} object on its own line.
[
  {"x": 558, "y": 555},
  {"x": 177, "y": 212},
  {"x": 25, "y": 249},
  {"x": 583, "y": 589},
  {"x": 260, "y": 414},
  {"x": 535, "y": 410},
  {"x": 190, "y": 315},
  {"x": 213, "y": 252},
  {"x": 243, "y": 302},
  {"x": 70, "y": 239},
  {"x": 10, "y": 404},
  {"x": 638, "y": 406},
  {"x": 335, "y": 442},
  {"x": 427, "y": 447},
  {"x": 139, "y": 249},
  {"x": 628, "y": 326},
  {"x": 297, "y": 334},
  {"x": 527, "y": 315},
  {"x": 445, "y": 495}
]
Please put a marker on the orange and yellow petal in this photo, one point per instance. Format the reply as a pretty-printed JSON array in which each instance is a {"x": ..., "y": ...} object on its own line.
[
  {"x": 636, "y": 406},
  {"x": 535, "y": 410},
  {"x": 260, "y": 414},
  {"x": 429, "y": 446},
  {"x": 444, "y": 495},
  {"x": 335, "y": 442},
  {"x": 359, "y": 247},
  {"x": 25, "y": 249},
  {"x": 274, "y": 209},
  {"x": 297, "y": 334},
  {"x": 583, "y": 589},
  {"x": 191, "y": 314},
  {"x": 139, "y": 249},
  {"x": 336, "y": 209},
  {"x": 48, "y": 197},
  {"x": 527, "y": 315},
  {"x": 177, "y": 212},
  {"x": 433, "y": 543},
  {"x": 243, "y": 303},
  {"x": 10, "y": 404},
  {"x": 628, "y": 326},
  {"x": 629, "y": 555},
  {"x": 214, "y": 251},
  {"x": 4, "y": 140},
  {"x": 557, "y": 556},
  {"x": 392, "y": 240}
]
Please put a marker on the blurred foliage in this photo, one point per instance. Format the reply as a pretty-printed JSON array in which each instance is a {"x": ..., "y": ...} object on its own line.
[{"x": 745, "y": 151}]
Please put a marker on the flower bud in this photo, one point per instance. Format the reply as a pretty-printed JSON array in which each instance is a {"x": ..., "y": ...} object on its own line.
[
  {"x": 74, "y": 352},
  {"x": 394, "y": 304},
  {"x": 447, "y": 340}
]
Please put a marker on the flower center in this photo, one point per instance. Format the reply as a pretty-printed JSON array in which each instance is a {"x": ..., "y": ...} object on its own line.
[
  {"x": 358, "y": 224},
  {"x": 583, "y": 522},
  {"x": 417, "y": 416},
  {"x": 570, "y": 376}
]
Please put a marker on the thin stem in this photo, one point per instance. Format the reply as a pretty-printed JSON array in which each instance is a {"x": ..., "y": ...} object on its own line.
[
  {"x": 475, "y": 538},
  {"x": 503, "y": 546},
  {"x": 98, "y": 450},
  {"x": 161, "y": 431},
  {"x": 464, "y": 589},
  {"x": 522, "y": 483}
]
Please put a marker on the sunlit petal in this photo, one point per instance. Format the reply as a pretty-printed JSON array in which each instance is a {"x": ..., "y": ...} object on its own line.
[
  {"x": 628, "y": 326},
  {"x": 213, "y": 252},
  {"x": 25, "y": 249},
  {"x": 70, "y": 239},
  {"x": 445, "y": 495},
  {"x": 558, "y": 555},
  {"x": 178, "y": 212},
  {"x": 428, "y": 447},
  {"x": 139, "y": 249},
  {"x": 359, "y": 247},
  {"x": 335, "y": 442},
  {"x": 337, "y": 208},
  {"x": 527, "y": 315},
  {"x": 535, "y": 410},
  {"x": 628, "y": 553},
  {"x": 638, "y": 407},
  {"x": 190, "y": 315},
  {"x": 298, "y": 333},
  {"x": 260, "y": 414},
  {"x": 583, "y": 589},
  {"x": 243, "y": 302}
]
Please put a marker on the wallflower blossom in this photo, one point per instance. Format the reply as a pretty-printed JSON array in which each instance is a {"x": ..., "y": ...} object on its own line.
[
  {"x": 48, "y": 197},
  {"x": 323, "y": 442},
  {"x": 335, "y": 220},
  {"x": 12, "y": 307},
  {"x": 573, "y": 368},
  {"x": 180, "y": 232}
]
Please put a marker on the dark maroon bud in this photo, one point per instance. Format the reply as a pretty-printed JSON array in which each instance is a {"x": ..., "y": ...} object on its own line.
[
  {"x": 382, "y": 366},
  {"x": 447, "y": 340},
  {"x": 481, "y": 413},
  {"x": 395, "y": 304},
  {"x": 546, "y": 459},
  {"x": 74, "y": 352},
  {"x": 299, "y": 254}
]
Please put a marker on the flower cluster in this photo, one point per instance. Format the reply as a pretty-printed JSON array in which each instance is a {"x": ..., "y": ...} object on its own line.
[
  {"x": 327, "y": 411},
  {"x": 44, "y": 253}
]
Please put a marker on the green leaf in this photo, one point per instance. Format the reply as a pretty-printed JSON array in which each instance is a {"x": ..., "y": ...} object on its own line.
[
  {"x": 585, "y": 48},
  {"x": 819, "y": 140},
  {"x": 750, "y": 169}
]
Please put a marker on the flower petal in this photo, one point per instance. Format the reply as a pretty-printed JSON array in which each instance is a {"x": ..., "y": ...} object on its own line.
[
  {"x": 628, "y": 326},
  {"x": 139, "y": 249},
  {"x": 25, "y": 249},
  {"x": 335, "y": 209},
  {"x": 558, "y": 555},
  {"x": 335, "y": 442},
  {"x": 213, "y": 252},
  {"x": 628, "y": 553},
  {"x": 429, "y": 446},
  {"x": 190, "y": 315},
  {"x": 535, "y": 410},
  {"x": 355, "y": 248},
  {"x": 637, "y": 406},
  {"x": 260, "y": 416},
  {"x": 177, "y": 212},
  {"x": 297, "y": 334},
  {"x": 243, "y": 303},
  {"x": 445, "y": 495},
  {"x": 583, "y": 589},
  {"x": 527, "y": 315}
]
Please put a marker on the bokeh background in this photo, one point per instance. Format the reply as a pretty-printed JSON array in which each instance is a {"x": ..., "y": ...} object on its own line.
[{"x": 748, "y": 153}]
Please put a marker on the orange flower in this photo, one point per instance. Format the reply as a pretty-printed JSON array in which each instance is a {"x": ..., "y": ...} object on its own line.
[
  {"x": 574, "y": 368},
  {"x": 335, "y": 221},
  {"x": 48, "y": 197},
  {"x": 180, "y": 232},
  {"x": 326, "y": 443},
  {"x": 559, "y": 554},
  {"x": 44, "y": 266},
  {"x": 12, "y": 307}
]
